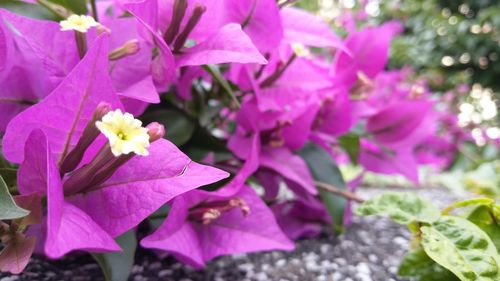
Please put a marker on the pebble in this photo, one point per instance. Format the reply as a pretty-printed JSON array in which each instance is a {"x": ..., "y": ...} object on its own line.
[
  {"x": 10, "y": 278},
  {"x": 280, "y": 263}
]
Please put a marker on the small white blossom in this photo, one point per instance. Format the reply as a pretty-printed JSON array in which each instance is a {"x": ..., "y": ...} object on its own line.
[
  {"x": 125, "y": 133},
  {"x": 79, "y": 23},
  {"x": 300, "y": 50}
]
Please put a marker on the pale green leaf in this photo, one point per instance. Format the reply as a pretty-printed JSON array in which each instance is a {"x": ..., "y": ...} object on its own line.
[
  {"x": 324, "y": 169},
  {"x": 463, "y": 248},
  {"x": 417, "y": 264},
  {"x": 403, "y": 208},
  {"x": 467, "y": 203},
  {"x": 178, "y": 127},
  {"x": 485, "y": 218},
  {"x": 117, "y": 266},
  {"x": 8, "y": 208}
]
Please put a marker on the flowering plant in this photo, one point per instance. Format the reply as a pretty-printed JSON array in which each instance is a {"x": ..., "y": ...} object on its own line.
[{"x": 249, "y": 105}]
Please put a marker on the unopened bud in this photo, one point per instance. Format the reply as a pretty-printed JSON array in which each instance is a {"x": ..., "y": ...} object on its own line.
[
  {"x": 81, "y": 179},
  {"x": 178, "y": 13},
  {"x": 195, "y": 17},
  {"x": 156, "y": 131},
  {"x": 130, "y": 47},
  {"x": 90, "y": 133}
]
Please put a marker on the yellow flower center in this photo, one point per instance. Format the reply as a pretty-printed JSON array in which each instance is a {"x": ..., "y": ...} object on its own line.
[
  {"x": 125, "y": 133},
  {"x": 79, "y": 23}
]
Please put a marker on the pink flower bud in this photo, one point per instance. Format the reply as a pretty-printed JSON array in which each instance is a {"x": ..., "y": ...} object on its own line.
[
  {"x": 130, "y": 47},
  {"x": 195, "y": 17},
  {"x": 156, "y": 131},
  {"x": 90, "y": 133}
]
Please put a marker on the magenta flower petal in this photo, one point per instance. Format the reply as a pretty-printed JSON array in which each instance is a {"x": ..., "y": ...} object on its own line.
[
  {"x": 68, "y": 228},
  {"x": 306, "y": 28},
  {"x": 163, "y": 68},
  {"x": 131, "y": 75},
  {"x": 142, "y": 186},
  {"x": 289, "y": 166},
  {"x": 195, "y": 243},
  {"x": 261, "y": 20},
  {"x": 66, "y": 111},
  {"x": 369, "y": 50},
  {"x": 335, "y": 114},
  {"x": 15, "y": 96},
  {"x": 375, "y": 159},
  {"x": 46, "y": 45},
  {"x": 397, "y": 121},
  {"x": 228, "y": 44}
]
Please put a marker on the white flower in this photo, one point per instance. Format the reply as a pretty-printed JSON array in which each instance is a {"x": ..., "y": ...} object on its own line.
[
  {"x": 125, "y": 133},
  {"x": 79, "y": 23},
  {"x": 300, "y": 50}
]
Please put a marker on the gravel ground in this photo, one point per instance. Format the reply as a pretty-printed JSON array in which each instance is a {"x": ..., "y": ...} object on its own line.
[{"x": 370, "y": 250}]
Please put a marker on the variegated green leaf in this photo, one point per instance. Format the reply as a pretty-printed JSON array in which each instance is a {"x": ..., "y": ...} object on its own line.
[{"x": 463, "y": 248}]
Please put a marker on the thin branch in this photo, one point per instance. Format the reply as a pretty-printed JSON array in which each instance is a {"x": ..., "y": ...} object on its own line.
[{"x": 344, "y": 193}]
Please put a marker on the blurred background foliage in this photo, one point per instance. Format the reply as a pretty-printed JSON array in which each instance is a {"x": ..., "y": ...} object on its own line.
[{"x": 455, "y": 46}]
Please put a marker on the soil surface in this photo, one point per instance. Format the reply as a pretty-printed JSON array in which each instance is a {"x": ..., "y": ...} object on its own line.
[{"x": 370, "y": 250}]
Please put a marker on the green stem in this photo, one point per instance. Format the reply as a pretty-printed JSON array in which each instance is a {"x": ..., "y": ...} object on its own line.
[
  {"x": 214, "y": 72},
  {"x": 344, "y": 193}
]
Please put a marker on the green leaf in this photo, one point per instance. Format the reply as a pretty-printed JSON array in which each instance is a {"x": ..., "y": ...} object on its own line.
[
  {"x": 9, "y": 175},
  {"x": 3, "y": 162},
  {"x": 463, "y": 248},
  {"x": 26, "y": 9},
  {"x": 179, "y": 127},
  {"x": 484, "y": 217},
  {"x": 76, "y": 6},
  {"x": 467, "y": 203},
  {"x": 117, "y": 266},
  {"x": 350, "y": 143},
  {"x": 417, "y": 264},
  {"x": 324, "y": 169},
  {"x": 403, "y": 208},
  {"x": 8, "y": 208}
]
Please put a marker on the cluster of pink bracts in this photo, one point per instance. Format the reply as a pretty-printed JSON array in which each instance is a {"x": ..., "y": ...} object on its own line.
[{"x": 89, "y": 172}]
